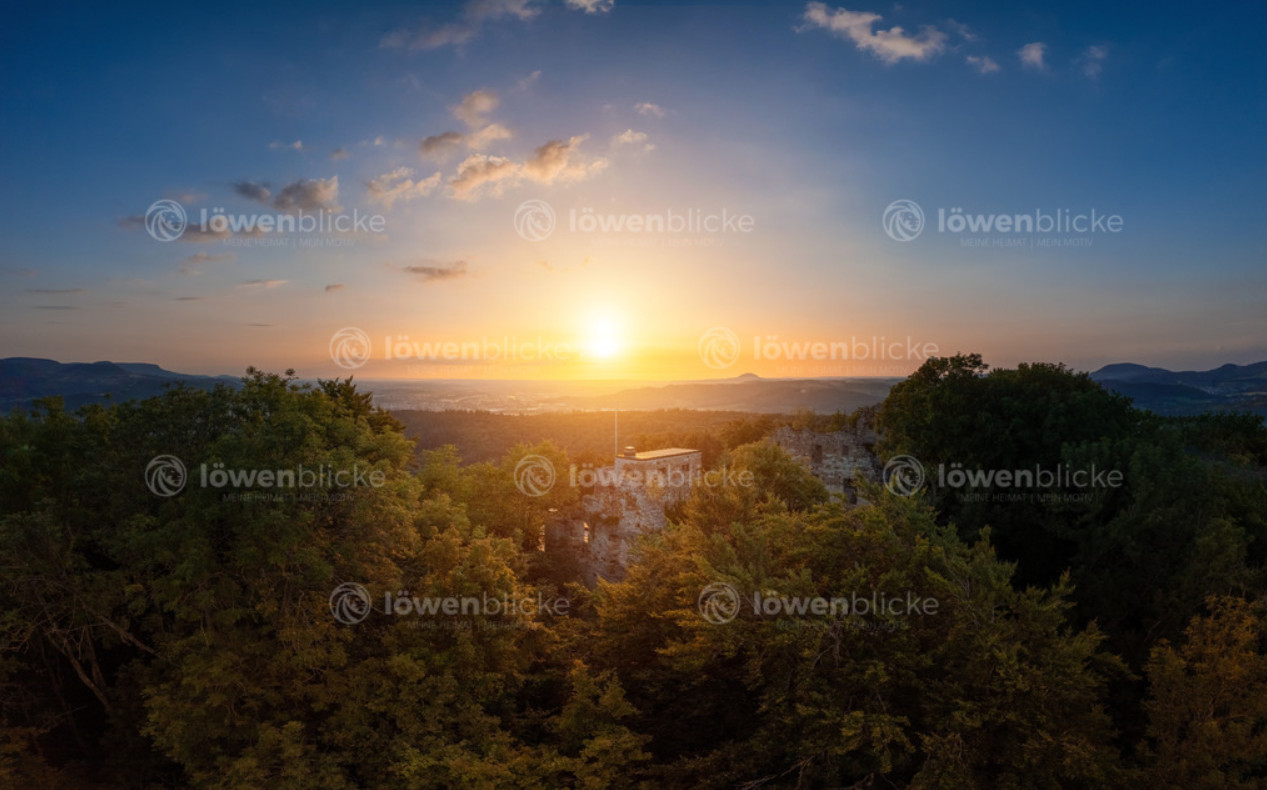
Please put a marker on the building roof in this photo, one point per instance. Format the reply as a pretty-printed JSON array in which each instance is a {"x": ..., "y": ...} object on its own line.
[{"x": 651, "y": 455}]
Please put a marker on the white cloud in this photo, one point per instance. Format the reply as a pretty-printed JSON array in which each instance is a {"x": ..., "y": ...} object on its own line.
[
  {"x": 472, "y": 111},
  {"x": 311, "y": 194},
  {"x": 524, "y": 83},
  {"x": 438, "y": 145},
  {"x": 1032, "y": 55},
  {"x": 983, "y": 64},
  {"x": 399, "y": 185},
  {"x": 1092, "y": 60},
  {"x": 630, "y": 137},
  {"x": 592, "y": 6},
  {"x": 478, "y": 171},
  {"x": 252, "y": 191},
  {"x": 480, "y": 139},
  {"x": 889, "y": 46},
  {"x": 474, "y": 106},
  {"x": 434, "y": 271},
  {"x": 647, "y": 108},
  {"x": 190, "y": 265},
  {"x": 557, "y": 161},
  {"x": 298, "y": 145},
  {"x": 474, "y": 16},
  {"x": 963, "y": 30}
]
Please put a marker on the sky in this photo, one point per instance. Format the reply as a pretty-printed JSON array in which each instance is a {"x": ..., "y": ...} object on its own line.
[{"x": 591, "y": 189}]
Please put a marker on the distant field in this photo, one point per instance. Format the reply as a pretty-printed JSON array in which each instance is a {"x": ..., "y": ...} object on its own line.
[{"x": 486, "y": 436}]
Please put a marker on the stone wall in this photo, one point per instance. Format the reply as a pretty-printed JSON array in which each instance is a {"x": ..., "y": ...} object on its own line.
[
  {"x": 629, "y": 502},
  {"x": 839, "y": 458}
]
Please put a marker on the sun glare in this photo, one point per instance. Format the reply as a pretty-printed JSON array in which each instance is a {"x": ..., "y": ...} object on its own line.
[{"x": 603, "y": 338}]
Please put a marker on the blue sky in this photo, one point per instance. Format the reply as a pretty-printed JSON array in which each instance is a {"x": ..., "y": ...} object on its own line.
[{"x": 810, "y": 118}]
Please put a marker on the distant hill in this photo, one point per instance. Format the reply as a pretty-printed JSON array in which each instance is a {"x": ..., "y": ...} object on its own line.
[
  {"x": 747, "y": 393},
  {"x": 1226, "y": 388},
  {"x": 23, "y": 379}
]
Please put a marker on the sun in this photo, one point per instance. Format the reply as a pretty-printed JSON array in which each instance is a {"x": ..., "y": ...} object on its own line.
[{"x": 603, "y": 338}]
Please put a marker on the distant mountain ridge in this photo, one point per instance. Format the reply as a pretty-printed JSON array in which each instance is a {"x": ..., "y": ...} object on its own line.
[
  {"x": 23, "y": 379},
  {"x": 748, "y": 393},
  {"x": 1225, "y": 388}
]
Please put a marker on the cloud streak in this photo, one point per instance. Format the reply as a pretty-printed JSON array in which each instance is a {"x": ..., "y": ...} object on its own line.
[
  {"x": 398, "y": 185},
  {"x": 1033, "y": 55},
  {"x": 889, "y": 46}
]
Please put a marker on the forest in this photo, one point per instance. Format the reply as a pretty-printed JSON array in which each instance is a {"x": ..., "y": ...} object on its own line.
[{"x": 150, "y": 639}]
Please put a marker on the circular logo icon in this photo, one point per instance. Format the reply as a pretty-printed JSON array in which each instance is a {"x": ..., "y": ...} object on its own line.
[
  {"x": 165, "y": 475},
  {"x": 534, "y": 220},
  {"x": 350, "y": 348},
  {"x": 903, "y": 475},
  {"x": 534, "y": 475},
  {"x": 903, "y": 220},
  {"x": 719, "y": 348},
  {"x": 350, "y": 603},
  {"x": 165, "y": 220},
  {"x": 718, "y": 603}
]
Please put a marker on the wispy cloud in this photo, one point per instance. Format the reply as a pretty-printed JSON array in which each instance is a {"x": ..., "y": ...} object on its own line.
[
  {"x": 334, "y": 287},
  {"x": 434, "y": 271},
  {"x": 473, "y": 111},
  {"x": 339, "y": 154},
  {"x": 262, "y": 283},
  {"x": 474, "y": 16},
  {"x": 1033, "y": 55},
  {"x": 475, "y": 106},
  {"x": 1092, "y": 60},
  {"x": 252, "y": 191},
  {"x": 276, "y": 145},
  {"x": 310, "y": 194},
  {"x": 399, "y": 185},
  {"x": 592, "y": 6},
  {"x": 983, "y": 64},
  {"x": 889, "y": 46},
  {"x": 556, "y": 161},
  {"x": 55, "y": 290},
  {"x": 438, "y": 145},
  {"x": 647, "y": 108},
  {"x": 630, "y": 137},
  {"x": 190, "y": 265},
  {"x": 524, "y": 83}
]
